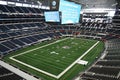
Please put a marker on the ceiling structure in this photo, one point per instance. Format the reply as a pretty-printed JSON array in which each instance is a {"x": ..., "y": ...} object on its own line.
[
  {"x": 97, "y": 3},
  {"x": 86, "y": 4}
]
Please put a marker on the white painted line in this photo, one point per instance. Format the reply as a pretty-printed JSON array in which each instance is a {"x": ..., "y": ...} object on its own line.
[
  {"x": 76, "y": 61},
  {"x": 49, "y": 74},
  {"x": 39, "y": 47},
  {"x": 12, "y": 58},
  {"x": 37, "y": 69}
]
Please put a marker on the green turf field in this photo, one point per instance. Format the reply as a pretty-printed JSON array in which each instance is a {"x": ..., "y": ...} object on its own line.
[{"x": 56, "y": 60}]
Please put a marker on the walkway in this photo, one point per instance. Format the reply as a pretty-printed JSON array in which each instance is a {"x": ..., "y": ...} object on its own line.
[{"x": 17, "y": 71}]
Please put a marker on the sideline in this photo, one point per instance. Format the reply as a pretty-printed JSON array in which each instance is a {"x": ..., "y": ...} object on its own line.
[
  {"x": 38, "y": 47},
  {"x": 47, "y": 73},
  {"x": 76, "y": 60}
]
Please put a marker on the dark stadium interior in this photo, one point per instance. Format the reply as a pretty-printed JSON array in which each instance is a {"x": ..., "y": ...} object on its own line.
[{"x": 22, "y": 26}]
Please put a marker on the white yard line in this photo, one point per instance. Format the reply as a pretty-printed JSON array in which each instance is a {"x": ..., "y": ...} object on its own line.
[
  {"x": 58, "y": 76},
  {"x": 12, "y": 58},
  {"x": 39, "y": 47},
  {"x": 76, "y": 61},
  {"x": 37, "y": 69}
]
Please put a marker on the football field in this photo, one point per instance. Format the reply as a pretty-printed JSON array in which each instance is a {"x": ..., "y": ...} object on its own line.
[{"x": 56, "y": 58}]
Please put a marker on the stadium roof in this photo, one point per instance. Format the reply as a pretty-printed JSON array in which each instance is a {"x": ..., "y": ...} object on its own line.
[{"x": 97, "y": 3}]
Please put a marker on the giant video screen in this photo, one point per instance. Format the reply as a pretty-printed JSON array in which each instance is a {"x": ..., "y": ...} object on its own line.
[
  {"x": 70, "y": 12},
  {"x": 52, "y": 16}
]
